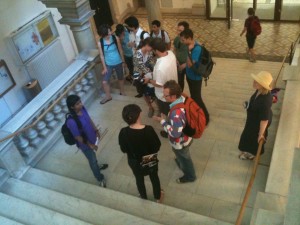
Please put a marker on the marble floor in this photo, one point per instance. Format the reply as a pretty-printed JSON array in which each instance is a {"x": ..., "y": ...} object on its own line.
[
  {"x": 272, "y": 45},
  {"x": 221, "y": 177}
]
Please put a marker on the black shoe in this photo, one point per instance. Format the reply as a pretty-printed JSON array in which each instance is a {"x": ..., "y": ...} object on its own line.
[
  {"x": 139, "y": 95},
  {"x": 183, "y": 180},
  {"x": 103, "y": 166},
  {"x": 164, "y": 134},
  {"x": 102, "y": 183}
]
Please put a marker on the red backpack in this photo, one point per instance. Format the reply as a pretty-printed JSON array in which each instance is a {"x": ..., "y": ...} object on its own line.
[
  {"x": 196, "y": 121},
  {"x": 255, "y": 26}
]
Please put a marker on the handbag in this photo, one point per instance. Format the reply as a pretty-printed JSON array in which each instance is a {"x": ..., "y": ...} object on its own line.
[{"x": 149, "y": 164}]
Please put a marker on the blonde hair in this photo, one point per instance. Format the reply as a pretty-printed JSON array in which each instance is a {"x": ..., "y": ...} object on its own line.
[{"x": 264, "y": 91}]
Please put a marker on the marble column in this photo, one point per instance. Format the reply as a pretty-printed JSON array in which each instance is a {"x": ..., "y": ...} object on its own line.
[
  {"x": 153, "y": 11},
  {"x": 76, "y": 14}
]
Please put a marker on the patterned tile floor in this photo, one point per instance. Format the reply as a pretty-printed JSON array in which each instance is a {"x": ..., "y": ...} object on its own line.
[{"x": 272, "y": 45}]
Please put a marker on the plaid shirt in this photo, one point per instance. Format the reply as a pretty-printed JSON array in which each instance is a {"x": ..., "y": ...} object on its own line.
[{"x": 174, "y": 125}]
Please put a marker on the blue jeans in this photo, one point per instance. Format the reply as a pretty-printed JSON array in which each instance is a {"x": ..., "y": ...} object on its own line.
[
  {"x": 185, "y": 163},
  {"x": 91, "y": 157}
]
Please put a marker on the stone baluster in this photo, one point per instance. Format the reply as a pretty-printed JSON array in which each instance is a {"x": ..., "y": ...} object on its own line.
[
  {"x": 50, "y": 120},
  {"x": 64, "y": 106},
  {"x": 23, "y": 145},
  {"x": 42, "y": 129},
  {"x": 78, "y": 90},
  {"x": 34, "y": 139},
  {"x": 59, "y": 114},
  {"x": 85, "y": 85},
  {"x": 91, "y": 78}
]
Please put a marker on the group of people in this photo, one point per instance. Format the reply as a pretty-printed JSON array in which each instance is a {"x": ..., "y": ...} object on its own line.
[{"x": 162, "y": 72}]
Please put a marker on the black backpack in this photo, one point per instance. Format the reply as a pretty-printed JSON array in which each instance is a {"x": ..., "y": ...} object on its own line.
[
  {"x": 67, "y": 134},
  {"x": 206, "y": 63},
  {"x": 142, "y": 35},
  {"x": 163, "y": 37}
]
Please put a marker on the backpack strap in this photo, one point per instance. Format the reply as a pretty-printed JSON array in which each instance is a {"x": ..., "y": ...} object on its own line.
[
  {"x": 163, "y": 37},
  {"x": 114, "y": 41},
  {"x": 151, "y": 33},
  {"x": 142, "y": 35},
  {"x": 102, "y": 45}
]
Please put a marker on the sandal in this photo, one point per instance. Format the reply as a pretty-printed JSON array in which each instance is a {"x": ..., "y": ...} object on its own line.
[{"x": 105, "y": 100}]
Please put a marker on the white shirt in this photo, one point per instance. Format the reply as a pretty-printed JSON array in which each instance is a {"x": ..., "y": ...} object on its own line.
[
  {"x": 165, "y": 69},
  {"x": 167, "y": 38}
]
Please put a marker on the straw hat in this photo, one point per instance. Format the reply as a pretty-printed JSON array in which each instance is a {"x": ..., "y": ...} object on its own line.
[{"x": 264, "y": 78}]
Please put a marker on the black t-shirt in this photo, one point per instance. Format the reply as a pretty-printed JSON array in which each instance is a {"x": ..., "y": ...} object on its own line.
[
  {"x": 247, "y": 24},
  {"x": 139, "y": 142}
]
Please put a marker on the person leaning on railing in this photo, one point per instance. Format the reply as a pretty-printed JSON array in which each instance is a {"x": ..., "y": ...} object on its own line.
[{"x": 259, "y": 116}]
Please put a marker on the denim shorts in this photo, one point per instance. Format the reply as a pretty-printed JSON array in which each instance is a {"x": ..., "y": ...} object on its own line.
[{"x": 119, "y": 71}]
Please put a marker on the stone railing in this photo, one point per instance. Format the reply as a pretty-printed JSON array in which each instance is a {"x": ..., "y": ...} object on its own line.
[{"x": 43, "y": 116}]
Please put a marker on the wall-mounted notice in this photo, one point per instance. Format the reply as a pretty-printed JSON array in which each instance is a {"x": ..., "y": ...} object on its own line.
[{"x": 7, "y": 82}]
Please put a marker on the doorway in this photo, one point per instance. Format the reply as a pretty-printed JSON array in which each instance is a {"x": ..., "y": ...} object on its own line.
[
  {"x": 277, "y": 10},
  {"x": 102, "y": 12}
]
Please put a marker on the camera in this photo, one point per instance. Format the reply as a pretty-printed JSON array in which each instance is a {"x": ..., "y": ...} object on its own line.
[{"x": 137, "y": 78}]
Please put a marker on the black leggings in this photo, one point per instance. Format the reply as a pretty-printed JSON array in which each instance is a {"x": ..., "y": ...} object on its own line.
[{"x": 140, "y": 183}]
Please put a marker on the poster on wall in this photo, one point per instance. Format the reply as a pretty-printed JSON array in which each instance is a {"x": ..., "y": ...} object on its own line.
[
  {"x": 6, "y": 80},
  {"x": 30, "y": 39}
]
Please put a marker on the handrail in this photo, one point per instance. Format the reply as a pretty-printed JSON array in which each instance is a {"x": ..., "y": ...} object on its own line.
[
  {"x": 87, "y": 69},
  {"x": 248, "y": 191}
]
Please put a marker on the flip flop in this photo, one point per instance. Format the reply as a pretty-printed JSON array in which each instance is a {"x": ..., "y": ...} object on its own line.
[{"x": 105, "y": 100}]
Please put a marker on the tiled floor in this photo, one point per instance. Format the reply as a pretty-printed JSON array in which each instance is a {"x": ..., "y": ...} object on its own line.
[{"x": 272, "y": 45}]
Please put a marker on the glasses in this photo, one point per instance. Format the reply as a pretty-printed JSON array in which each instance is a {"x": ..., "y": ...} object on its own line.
[{"x": 165, "y": 96}]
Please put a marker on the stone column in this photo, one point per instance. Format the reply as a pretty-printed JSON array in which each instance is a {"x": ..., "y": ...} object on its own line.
[
  {"x": 153, "y": 11},
  {"x": 76, "y": 14}
]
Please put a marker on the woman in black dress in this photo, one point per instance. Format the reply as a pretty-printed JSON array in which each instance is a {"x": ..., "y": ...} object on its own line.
[
  {"x": 138, "y": 140},
  {"x": 259, "y": 116}
]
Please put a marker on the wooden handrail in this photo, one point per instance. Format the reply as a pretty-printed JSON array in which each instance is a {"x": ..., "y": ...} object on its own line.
[
  {"x": 51, "y": 106},
  {"x": 248, "y": 191}
]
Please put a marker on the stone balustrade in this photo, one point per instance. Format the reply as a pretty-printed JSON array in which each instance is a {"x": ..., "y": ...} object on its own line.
[{"x": 49, "y": 107}]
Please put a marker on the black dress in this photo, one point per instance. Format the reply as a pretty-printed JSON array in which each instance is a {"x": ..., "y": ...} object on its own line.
[{"x": 259, "y": 109}]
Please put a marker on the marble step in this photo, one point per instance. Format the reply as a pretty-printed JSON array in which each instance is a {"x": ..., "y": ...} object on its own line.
[
  {"x": 293, "y": 205},
  {"x": 159, "y": 213},
  {"x": 268, "y": 217},
  {"x": 6, "y": 221},
  {"x": 31, "y": 214},
  {"x": 271, "y": 202},
  {"x": 69, "y": 205}
]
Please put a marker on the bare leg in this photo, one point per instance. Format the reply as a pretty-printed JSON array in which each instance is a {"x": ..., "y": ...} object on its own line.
[
  {"x": 106, "y": 88},
  {"x": 252, "y": 55},
  {"x": 121, "y": 86}
]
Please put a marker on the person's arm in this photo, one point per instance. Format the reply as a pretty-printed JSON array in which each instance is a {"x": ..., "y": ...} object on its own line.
[
  {"x": 193, "y": 55},
  {"x": 155, "y": 142},
  {"x": 104, "y": 69},
  {"x": 122, "y": 141},
  {"x": 120, "y": 50},
  {"x": 262, "y": 129},
  {"x": 243, "y": 31}
]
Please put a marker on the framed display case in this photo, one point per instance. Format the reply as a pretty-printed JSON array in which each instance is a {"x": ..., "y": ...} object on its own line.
[
  {"x": 6, "y": 80},
  {"x": 28, "y": 40}
]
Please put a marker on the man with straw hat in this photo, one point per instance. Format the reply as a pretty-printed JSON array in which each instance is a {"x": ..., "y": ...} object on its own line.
[{"x": 259, "y": 116}]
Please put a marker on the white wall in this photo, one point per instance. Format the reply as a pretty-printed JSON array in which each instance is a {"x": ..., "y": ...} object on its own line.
[
  {"x": 187, "y": 4},
  {"x": 13, "y": 14}
]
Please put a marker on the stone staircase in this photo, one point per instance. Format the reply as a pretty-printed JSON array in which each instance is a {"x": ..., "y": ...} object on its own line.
[{"x": 62, "y": 190}]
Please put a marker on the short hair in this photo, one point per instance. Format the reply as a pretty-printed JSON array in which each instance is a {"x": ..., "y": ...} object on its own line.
[
  {"x": 103, "y": 30},
  {"x": 71, "y": 101},
  {"x": 158, "y": 44},
  {"x": 119, "y": 29},
  {"x": 156, "y": 22},
  {"x": 184, "y": 24},
  {"x": 251, "y": 12},
  {"x": 187, "y": 33},
  {"x": 174, "y": 88},
  {"x": 131, "y": 113},
  {"x": 146, "y": 41},
  {"x": 132, "y": 21}
]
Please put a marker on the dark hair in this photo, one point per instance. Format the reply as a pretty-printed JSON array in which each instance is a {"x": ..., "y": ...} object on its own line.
[
  {"x": 156, "y": 22},
  {"x": 174, "y": 88},
  {"x": 184, "y": 24},
  {"x": 71, "y": 101},
  {"x": 251, "y": 12},
  {"x": 131, "y": 113},
  {"x": 158, "y": 44},
  {"x": 119, "y": 29},
  {"x": 146, "y": 41},
  {"x": 103, "y": 30},
  {"x": 187, "y": 33},
  {"x": 132, "y": 21}
]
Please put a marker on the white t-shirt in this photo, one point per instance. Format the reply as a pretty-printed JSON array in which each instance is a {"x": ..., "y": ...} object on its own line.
[
  {"x": 165, "y": 69},
  {"x": 167, "y": 38}
]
